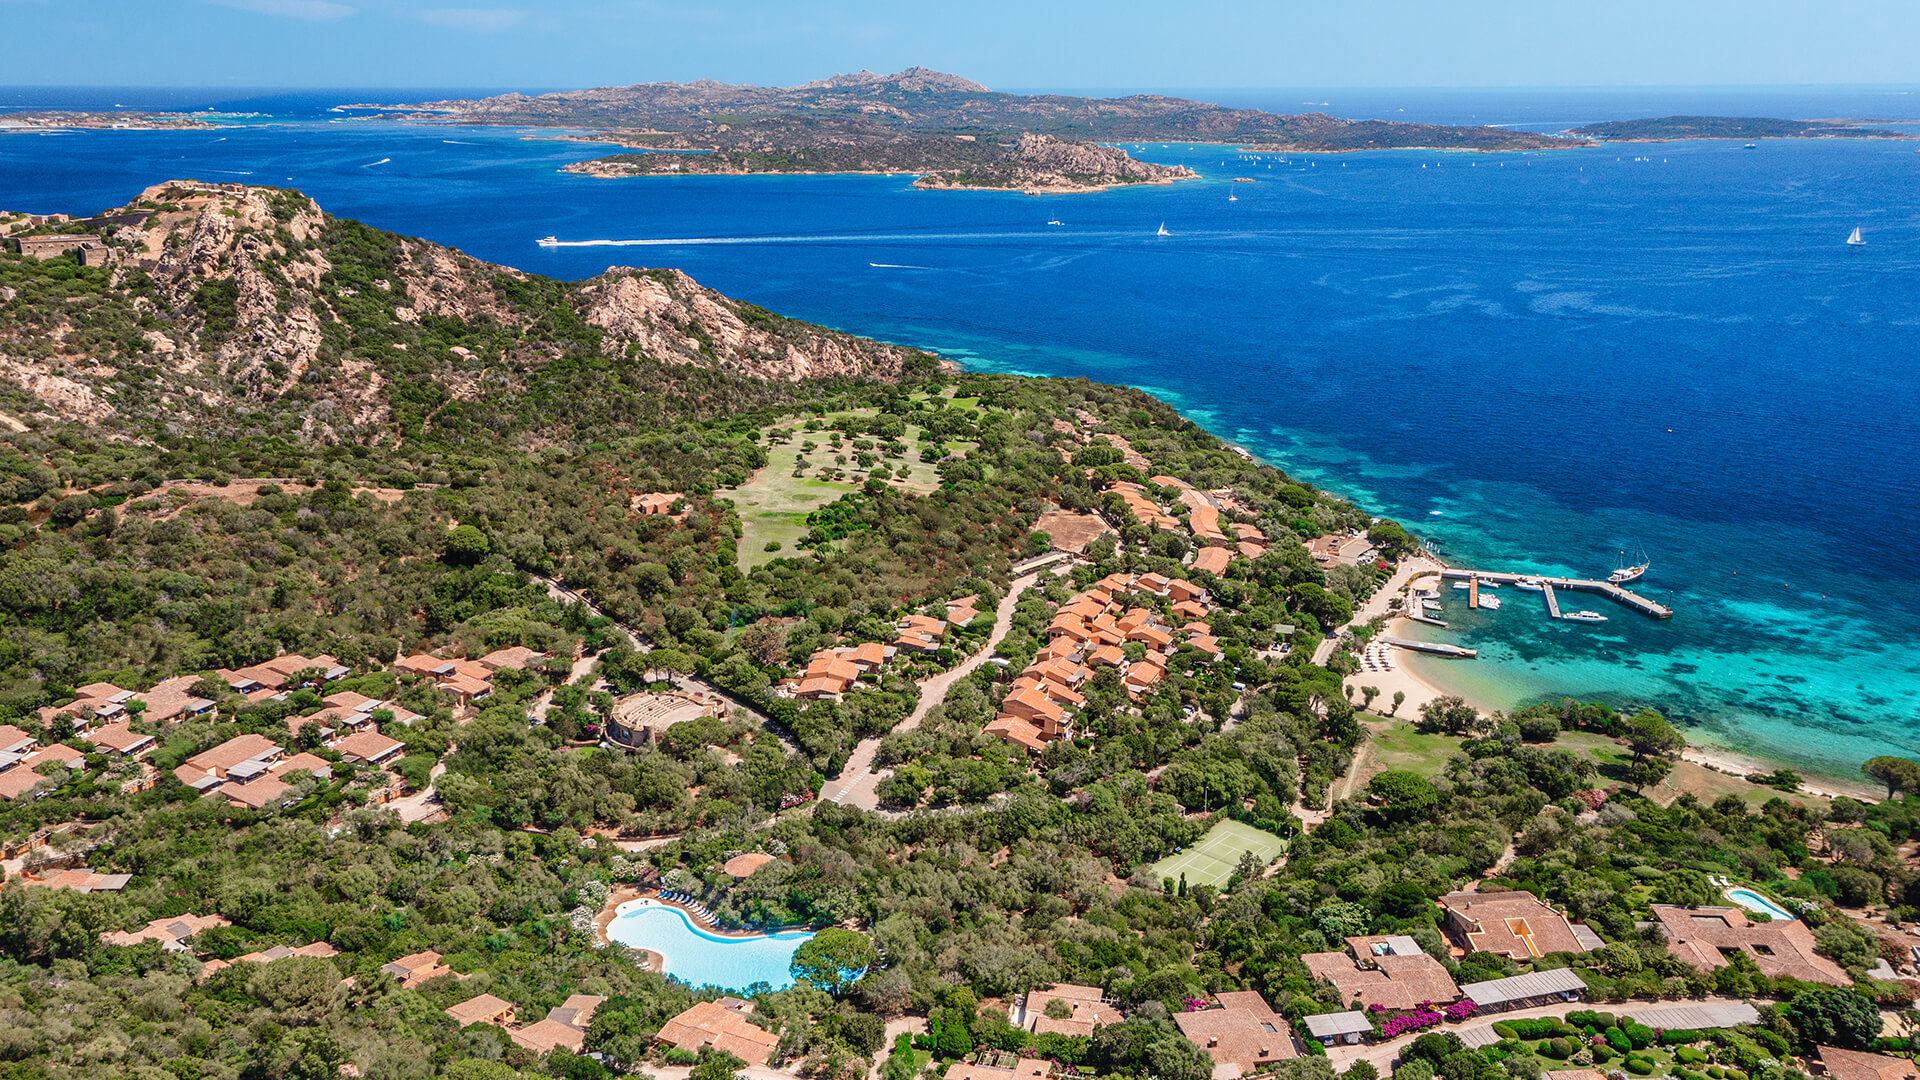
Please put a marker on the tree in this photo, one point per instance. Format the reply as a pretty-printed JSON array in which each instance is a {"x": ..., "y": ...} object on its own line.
[
  {"x": 1400, "y": 795},
  {"x": 716, "y": 1064},
  {"x": 833, "y": 960},
  {"x": 1897, "y": 773},
  {"x": 1175, "y": 1057},
  {"x": 1340, "y": 919},
  {"x": 1832, "y": 1017},
  {"x": 1649, "y": 735},
  {"x": 1399, "y": 699},
  {"x": 1451, "y": 714},
  {"x": 465, "y": 545}
]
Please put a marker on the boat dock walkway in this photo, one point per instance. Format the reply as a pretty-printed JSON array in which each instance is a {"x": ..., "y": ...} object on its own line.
[
  {"x": 1473, "y": 591},
  {"x": 1548, "y": 584},
  {"x": 1435, "y": 647}
]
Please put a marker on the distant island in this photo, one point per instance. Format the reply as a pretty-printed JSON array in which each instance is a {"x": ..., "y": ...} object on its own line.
[
  {"x": 118, "y": 119},
  {"x": 1674, "y": 128},
  {"x": 953, "y": 132},
  {"x": 1035, "y": 164}
]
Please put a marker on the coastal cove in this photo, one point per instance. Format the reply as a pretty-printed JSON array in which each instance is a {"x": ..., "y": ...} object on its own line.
[{"x": 1532, "y": 360}]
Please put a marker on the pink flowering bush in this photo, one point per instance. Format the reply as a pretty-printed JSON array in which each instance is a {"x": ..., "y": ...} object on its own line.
[
  {"x": 1418, "y": 1020},
  {"x": 1198, "y": 1004},
  {"x": 1460, "y": 1010}
]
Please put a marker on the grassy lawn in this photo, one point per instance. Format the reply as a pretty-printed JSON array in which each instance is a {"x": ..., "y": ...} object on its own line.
[
  {"x": 1211, "y": 860},
  {"x": 773, "y": 504},
  {"x": 1398, "y": 746}
]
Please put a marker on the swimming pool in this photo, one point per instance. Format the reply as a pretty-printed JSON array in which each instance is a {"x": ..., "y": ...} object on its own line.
[
  {"x": 699, "y": 958},
  {"x": 1753, "y": 901}
]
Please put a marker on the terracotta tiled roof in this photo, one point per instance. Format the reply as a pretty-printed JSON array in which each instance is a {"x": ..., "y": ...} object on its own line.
[
  {"x": 1703, "y": 936},
  {"x": 712, "y": 1024},
  {"x": 1515, "y": 924},
  {"x": 1855, "y": 1065},
  {"x": 1243, "y": 1032},
  {"x": 1089, "y": 1011},
  {"x": 485, "y": 1009}
]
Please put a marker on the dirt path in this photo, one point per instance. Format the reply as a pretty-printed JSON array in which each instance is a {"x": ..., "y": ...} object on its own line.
[{"x": 858, "y": 784}]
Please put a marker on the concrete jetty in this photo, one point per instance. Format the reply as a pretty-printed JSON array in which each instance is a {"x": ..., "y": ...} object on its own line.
[
  {"x": 1437, "y": 648},
  {"x": 1607, "y": 589}
]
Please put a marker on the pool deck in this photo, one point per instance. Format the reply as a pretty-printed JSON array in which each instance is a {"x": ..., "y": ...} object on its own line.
[{"x": 602, "y": 919}]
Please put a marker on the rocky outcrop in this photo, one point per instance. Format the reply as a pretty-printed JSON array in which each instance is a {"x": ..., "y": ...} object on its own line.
[
  {"x": 671, "y": 316},
  {"x": 251, "y": 309}
]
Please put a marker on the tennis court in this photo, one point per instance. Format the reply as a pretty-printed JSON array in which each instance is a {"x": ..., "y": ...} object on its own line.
[{"x": 1210, "y": 860}]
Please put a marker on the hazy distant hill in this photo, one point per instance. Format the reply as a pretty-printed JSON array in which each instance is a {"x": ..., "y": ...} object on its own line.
[
  {"x": 1669, "y": 128},
  {"x": 928, "y": 122}
]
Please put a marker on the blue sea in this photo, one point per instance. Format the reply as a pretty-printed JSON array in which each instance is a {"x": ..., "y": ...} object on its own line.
[{"x": 1533, "y": 360}]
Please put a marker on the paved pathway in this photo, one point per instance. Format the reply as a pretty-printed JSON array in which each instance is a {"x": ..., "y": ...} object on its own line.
[
  {"x": 1376, "y": 604},
  {"x": 858, "y": 783},
  {"x": 1381, "y": 1055}
]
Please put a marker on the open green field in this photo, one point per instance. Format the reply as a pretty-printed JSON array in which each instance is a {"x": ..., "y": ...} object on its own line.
[
  {"x": 1398, "y": 746},
  {"x": 1211, "y": 860},
  {"x": 773, "y": 504}
]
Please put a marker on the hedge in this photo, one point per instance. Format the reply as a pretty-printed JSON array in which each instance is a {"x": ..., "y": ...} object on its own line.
[
  {"x": 1680, "y": 1036},
  {"x": 1689, "y": 1055},
  {"x": 1639, "y": 1066}
]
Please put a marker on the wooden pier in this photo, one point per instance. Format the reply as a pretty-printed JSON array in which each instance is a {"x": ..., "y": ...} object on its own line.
[
  {"x": 1548, "y": 584},
  {"x": 1473, "y": 591},
  {"x": 1437, "y": 648}
]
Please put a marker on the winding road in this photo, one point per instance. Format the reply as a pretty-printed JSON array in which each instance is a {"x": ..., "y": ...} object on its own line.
[{"x": 858, "y": 784}]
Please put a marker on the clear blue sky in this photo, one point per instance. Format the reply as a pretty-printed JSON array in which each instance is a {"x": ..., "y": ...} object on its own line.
[{"x": 1023, "y": 43}]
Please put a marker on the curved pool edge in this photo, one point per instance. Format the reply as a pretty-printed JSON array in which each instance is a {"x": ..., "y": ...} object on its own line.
[
  {"x": 1759, "y": 902},
  {"x": 691, "y": 960}
]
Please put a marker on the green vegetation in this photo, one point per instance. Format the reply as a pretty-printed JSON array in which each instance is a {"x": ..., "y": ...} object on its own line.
[{"x": 387, "y": 509}]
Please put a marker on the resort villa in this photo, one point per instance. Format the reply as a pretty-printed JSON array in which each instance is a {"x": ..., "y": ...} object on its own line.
[
  {"x": 1839, "y": 1064},
  {"x": 1706, "y": 937},
  {"x": 1242, "y": 1035},
  {"x": 1514, "y": 924},
  {"x": 1389, "y": 972},
  {"x": 1066, "y": 1009},
  {"x": 723, "y": 1025}
]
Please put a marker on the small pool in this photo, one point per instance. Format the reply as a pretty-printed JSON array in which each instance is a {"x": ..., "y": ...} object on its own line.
[
  {"x": 699, "y": 958},
  {"x": 1753, "y": 901}
]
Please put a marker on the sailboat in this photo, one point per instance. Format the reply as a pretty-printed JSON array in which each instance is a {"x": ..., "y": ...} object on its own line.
[
  {"x": 1231, "y": 197},
  {"x": 1630, "y": 573},
  {"x": 1853, "y": 238},
  {"x": 1163, "y": 230}
]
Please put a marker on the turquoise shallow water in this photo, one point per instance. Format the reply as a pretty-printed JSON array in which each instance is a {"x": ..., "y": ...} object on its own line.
[
  {"x": 1533, "y": 360},
  {"x": 703, "y": 959}
]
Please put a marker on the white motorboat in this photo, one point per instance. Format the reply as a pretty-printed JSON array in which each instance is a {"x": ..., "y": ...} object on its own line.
[{"x": 1584, "y": 616}]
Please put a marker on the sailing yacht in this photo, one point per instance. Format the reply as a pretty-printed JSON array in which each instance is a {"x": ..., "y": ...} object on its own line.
[
  {"x": 1631, "y": 573},
  {"x": 1853, "y": 238},
  {"x": 1231, "y": 197},
  {"x": 1163, "y": 230}
]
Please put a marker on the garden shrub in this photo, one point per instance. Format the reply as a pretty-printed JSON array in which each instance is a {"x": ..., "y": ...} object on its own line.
[
  {"x": 1601, "y": 1053},
  {"x": 1618, "y": 1039},
  {"x": 1680, "y": 1036},
  {"x": 1639, "y": 1066},
  {"x": 1604, "y": 1019},
  {"x": 1639, "y": 1034},
  {"x": 1505, "y": 1030},
  {"x": 1689, "y": 1055},
  {"x": 1539, "y": 1027},
  {"x": 1716, "y": 1072},
  {"x": 1557, "y": 1049}
]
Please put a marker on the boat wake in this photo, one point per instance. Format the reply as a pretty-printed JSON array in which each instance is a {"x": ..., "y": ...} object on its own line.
[
  {"x": 371, "y": 164},
  {"x": 897, "y": 266},
  {"x": 849, "y": 238}
]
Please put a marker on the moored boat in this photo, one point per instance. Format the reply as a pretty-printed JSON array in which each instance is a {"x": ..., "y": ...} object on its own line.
[{"x": 1584, "y": 616}]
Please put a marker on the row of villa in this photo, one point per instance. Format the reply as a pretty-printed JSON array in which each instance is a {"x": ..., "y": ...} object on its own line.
[
  {"x": 1093, "y": 630},
  {"x": 830, "y": 673}
]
